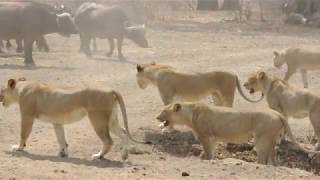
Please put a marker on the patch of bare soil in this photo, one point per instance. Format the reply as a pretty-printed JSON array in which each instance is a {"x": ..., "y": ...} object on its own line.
[{"x": 183, "y": 144}]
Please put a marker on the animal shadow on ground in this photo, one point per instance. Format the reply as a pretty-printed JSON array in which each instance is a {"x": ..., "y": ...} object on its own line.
[
  {"x": 103, "y": 163},
  {"x": 183, "y": 144},
  {"x": 24, "y": 67}
]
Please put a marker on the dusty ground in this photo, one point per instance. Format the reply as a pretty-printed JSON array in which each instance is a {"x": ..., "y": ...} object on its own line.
[{"x": 199, "y": 43}]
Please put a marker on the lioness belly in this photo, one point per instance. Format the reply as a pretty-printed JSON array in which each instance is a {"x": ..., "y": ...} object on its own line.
[{"x": 66, "y": 118}]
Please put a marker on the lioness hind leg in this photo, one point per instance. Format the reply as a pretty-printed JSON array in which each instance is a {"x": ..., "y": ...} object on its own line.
[
  {"x": 207, "y": 147},
  {"x": 59, "y": 130},
  {"x": 99, "y": 121},
  {"x": 262, "y": 147},
  {"x": 119, "y": 132},
  {"x": 272, "y": 154}
]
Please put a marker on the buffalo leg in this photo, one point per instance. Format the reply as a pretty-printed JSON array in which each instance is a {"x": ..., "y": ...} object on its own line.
[
  {"x": 119, "y": 45},
  {"x": 28, "y": 43},
  {"x": 42, "y": 44},
  {"x": 94, "y": 44},
  {"x": 86, "y": 45},
  {"x": 8, "y": 44},
  {"x": 111, "y": 44},
  {"x": 19, "y": 45},
  {"x": 81, "y": 43}
]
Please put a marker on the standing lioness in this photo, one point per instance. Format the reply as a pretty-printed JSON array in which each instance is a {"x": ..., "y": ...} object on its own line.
[
  {"x": 173, "y": 85},
  {"x": 290, "y": 101},
  {"x": 297, "y": 59},
  {"x": 213, "y": 124},
  {"x": 61, "y": 106}
]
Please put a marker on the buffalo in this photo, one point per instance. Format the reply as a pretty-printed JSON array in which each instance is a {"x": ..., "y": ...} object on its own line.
[
  {"x": 29, "y": 21},
  {"x": 99, "y": 21}
]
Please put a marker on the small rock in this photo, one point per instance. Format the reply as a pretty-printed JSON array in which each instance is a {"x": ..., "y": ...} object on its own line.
[
  {"x": 257, "y": 167},
  {"x": 233, "y": 173},
  {"x": 162, "y": 158},
  {"x": 144, "y": 174},
  {"x": 135, "y": 168},
  {"x": 185, "y": 174},
  {"x": 239, "y": 163},
  {"x": 63, "y": 171}
]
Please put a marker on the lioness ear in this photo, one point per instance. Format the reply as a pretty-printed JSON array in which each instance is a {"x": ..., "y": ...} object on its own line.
[
  {"x": 22, "y": 79},
  {"x": 139, "y": 68},
  {"x": 12, "y": 83},
  {"x": 176, "y": 107},
  {"x": 276, "y": 54},
  {"x": 261, "y": 75}
]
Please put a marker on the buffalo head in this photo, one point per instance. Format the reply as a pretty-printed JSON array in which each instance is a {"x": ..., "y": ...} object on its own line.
[
  {"x": 65, "y": 23},
  {"x": 138, "y": 35}
]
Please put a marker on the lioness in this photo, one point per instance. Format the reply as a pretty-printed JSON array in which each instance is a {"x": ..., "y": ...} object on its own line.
[
  {"x": 289, "y": 101},
  {"x": 213, "y": 124},
  {"x": 174, "y": 85},
  {"x": 61, "y": 106},
  {"x": 297, "y": 59}
]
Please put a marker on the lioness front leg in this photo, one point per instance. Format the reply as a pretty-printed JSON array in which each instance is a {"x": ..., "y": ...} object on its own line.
[
  {"x": 289, "y": 73},
  {"x": 304, "y": 75},
  {"x": 166, "y": 99},
  {"x": 207, "y": 147},
  {"x": 26, "y": 128},
  {"x": 59, "y": 130}
]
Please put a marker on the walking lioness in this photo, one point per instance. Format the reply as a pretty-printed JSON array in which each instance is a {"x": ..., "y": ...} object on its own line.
[
  {"x": 173, "y": 85},
  {"x": 61, "y": 106},
  {"x": 297, "y": 59},
  {"x": 290, "y": 101},
  {"x": 213, "y": 124}
]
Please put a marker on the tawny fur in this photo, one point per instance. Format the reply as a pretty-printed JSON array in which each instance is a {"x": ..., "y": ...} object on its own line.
[
  {"x": 63, "y": 106},
  {"x": 211, "y": 125},
  {"x": 297, "y": 59},
  {"x": 288, "y": 100}
]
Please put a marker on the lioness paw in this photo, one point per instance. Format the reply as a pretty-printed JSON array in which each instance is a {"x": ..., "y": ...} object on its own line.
[
  {"x": 16, "y": 148},
  {"x": 204, "y": 156},
  {"x": 63, "y": 154},
  {"x": 96, "y": 156},
  {"x": 124, "y": 154}
]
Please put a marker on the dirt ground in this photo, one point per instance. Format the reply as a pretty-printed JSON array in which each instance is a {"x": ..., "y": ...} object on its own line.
[{"x": 200, "y": 42}]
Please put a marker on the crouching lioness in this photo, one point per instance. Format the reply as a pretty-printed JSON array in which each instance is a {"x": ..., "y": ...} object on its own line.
[
  {"x": 297, "y": 59},
  {"x": 61, "y": 106},
  {"x": 289, "y": 101},
  {"x": 213, "y": 124}
]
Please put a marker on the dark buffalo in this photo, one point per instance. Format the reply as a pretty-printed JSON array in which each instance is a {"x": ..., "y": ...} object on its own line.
[
  {"x": 98, "y": 21},
  {"x": 29, "y": 21}
]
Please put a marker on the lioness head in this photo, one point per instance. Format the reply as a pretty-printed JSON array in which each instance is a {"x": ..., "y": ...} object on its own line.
[
  {"x": 278, "y": 60},
  {"x": 9, "y": 94},
  {"x": 175, "y": 114},
  {"x": 142, "y": 75},
  {"x": 255, "y": 82}
]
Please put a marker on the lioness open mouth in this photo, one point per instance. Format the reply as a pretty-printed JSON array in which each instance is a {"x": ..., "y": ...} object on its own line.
[
  {"x": 251, "y": 91},
  {"x": 166, "y": 123}
]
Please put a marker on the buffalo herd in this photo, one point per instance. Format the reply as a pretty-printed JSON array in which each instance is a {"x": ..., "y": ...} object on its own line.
[{"x": 27, "y": 22}]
